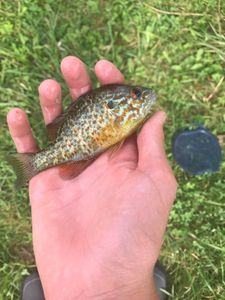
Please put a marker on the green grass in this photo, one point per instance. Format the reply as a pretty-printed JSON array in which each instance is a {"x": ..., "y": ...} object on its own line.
[{"x": 179, "y": 50}]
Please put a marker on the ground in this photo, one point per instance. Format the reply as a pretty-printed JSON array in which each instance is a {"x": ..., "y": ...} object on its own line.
[{"x": 175, "y": 47}]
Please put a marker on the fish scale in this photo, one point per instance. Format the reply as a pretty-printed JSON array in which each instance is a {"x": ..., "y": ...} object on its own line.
[{"x": 95, "y": 122}]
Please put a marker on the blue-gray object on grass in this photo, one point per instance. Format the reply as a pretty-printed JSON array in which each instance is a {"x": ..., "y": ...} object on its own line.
[{"x": 197, "y": 151}]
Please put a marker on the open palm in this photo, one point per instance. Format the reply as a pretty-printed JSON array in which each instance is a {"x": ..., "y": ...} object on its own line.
[{"x": 109, "y": 221}]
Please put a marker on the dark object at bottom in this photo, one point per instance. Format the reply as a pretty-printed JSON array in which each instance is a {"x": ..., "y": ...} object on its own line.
[
  {"x": 32, "y": 289},
  {"x": 161, "y": 281},
  {"x": 197, "y": 151}
]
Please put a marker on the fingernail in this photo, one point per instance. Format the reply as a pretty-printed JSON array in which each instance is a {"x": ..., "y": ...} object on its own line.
[
  {"x": 47, "y": 114},
  {"x": 105, "y": 67},
  {"x": 77, "y": 92},
  {"x": 84, "y": 89},
  {"x": 18, "y": 115},
  {"x": 71, "y": 66}
]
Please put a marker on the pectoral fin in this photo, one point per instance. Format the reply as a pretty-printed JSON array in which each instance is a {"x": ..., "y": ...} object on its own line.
[{"x": 115, "y": 148}]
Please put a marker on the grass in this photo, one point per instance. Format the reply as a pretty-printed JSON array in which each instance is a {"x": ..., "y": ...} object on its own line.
[{"x": 178, "y": 48}]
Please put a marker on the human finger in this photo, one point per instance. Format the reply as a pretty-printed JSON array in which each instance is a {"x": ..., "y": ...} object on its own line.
[
  {"x": 20, "y": 131},
  {"x": 151, "y": 142},
  {"x": 76, "y": 76},
  {"x": 50, "y": 99},
  {"x": 152, "y": 157},
  {"x": 108, "y": 73}
]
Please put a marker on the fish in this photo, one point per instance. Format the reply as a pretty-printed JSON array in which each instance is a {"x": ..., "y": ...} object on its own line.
[{"x": 98, "y": 120}]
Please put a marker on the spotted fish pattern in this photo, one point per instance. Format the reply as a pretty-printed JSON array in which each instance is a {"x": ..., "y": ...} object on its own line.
[{"x": 93, "y": 123}]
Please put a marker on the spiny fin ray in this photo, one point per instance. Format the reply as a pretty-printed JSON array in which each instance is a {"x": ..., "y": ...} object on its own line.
[{"x": 53, "y": 127}]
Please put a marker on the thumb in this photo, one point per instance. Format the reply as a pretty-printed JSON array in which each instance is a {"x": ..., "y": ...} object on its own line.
[
  {"x": 151, "y": 143},
  {"x": 152, "y": 157}
]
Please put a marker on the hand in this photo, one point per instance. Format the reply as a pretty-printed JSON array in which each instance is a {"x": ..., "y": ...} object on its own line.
[{"x": 99, "y": 234}]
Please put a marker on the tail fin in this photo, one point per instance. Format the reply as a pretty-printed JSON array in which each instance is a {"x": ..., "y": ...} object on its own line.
[{"x": 23, "y": 167}]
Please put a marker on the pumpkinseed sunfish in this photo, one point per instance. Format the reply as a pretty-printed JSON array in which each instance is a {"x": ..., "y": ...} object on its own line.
[{"x": 93, "y": 123}]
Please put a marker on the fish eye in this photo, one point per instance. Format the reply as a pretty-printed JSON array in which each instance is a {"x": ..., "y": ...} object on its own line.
[
  {"x": 111, "y": 104},
  {"x": 136, "y": 93}
]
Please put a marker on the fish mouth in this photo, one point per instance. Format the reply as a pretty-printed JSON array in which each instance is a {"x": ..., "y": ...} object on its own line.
[
  {"x": 150, "y": 95},
  {"x": 153, "y": 96}
]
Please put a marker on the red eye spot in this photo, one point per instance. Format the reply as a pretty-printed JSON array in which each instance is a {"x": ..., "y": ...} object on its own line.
[{"x": 136, "y": 93}]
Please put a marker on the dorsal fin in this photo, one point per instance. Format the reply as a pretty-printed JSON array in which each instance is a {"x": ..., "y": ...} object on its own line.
[{"x": 53, "y": 127}]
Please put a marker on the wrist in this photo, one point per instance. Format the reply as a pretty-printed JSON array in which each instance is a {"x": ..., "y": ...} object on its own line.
[
  {"x": 119, "y": 281},
  {"x": 120, "y": 288},
  {"x": 111, "y": 285}
]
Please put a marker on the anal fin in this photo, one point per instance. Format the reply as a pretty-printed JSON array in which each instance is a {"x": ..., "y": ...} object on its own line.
[{"x": 73, "y": 169}]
